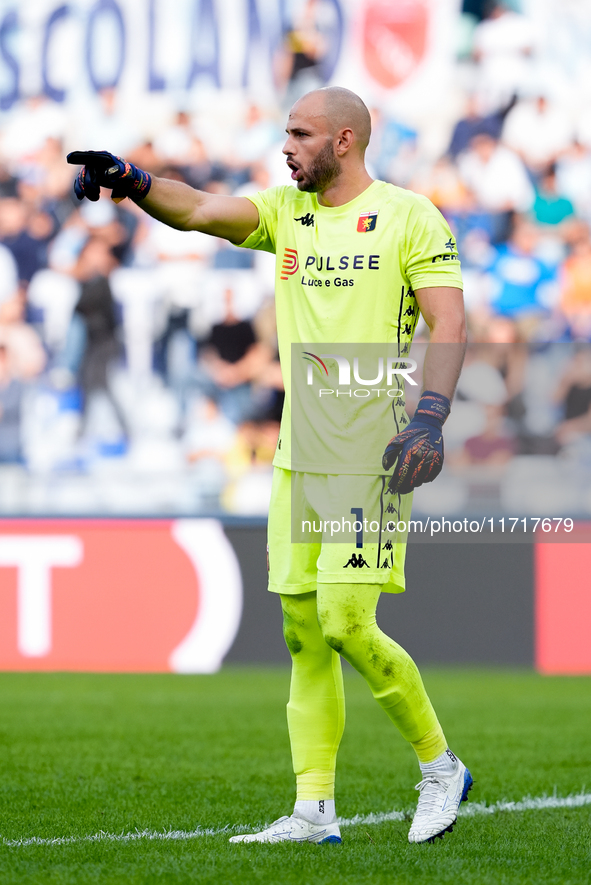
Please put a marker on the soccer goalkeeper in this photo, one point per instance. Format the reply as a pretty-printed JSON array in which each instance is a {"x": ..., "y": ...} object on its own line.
[{"x": 398, "y": 257}]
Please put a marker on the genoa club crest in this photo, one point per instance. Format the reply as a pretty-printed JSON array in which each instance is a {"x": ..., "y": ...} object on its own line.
[{"x": 367, "y": 221}]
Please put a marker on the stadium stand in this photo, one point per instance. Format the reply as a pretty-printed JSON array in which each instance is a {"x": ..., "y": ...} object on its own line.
[{"x": 138, "y": 365}]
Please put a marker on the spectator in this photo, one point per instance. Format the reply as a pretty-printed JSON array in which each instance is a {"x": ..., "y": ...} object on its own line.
[
  {"x": 522, "y": 280},
  {"x": 442, "y": 184},
  {"x": 496, "y": 176},
  {"x": 199, "y": 169},
  {"x": 174, "y": 143},
  {"x": 574, "y": 395},
  {"x": 113, "y": 224},
  {"x": 498, "y": 185},
  {"x": 551, "y": 207},
  {"x": 231, "y": 358},
  {"x": 258, "y": 135},
  {"x": 29, "y": 125},
  {"x": 178, "y": 153},
  {"x": 26, "y": 233},
  {"x": 55, "y": 180},
  {"x": 258, "y": 180},
  {"x": 539, "y": 132},
  {"x": 298, "y": 66},
  {"x": 494, "y": 446},
  {"x": 249, "y": 465},
  {"x": 8, "y": 273},
  {"x": 104, "y": 121},
  {"x": 8, "y": 183},
  {"x": 93, "y": 343},
  {"x": 575, "y": 285},
  {"x": 145, "y": 156},
  {"x": 208, "y": 439},
  {"x": 26, "y": 355},
  {"x": 503, "y": 47},
  {"x": 254, "y": 447},
  {"x": 475, "y": 123},
  {"x": 573, "y": 177},
  {"x": 11, "y": 395},
  {"x": 389, "y": 137},
  {"x": 180, "y": 262}
]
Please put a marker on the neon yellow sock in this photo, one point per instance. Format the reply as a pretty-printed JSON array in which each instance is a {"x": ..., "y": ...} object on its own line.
[
  {"x": 316, "y": 708},
  {"x": 346, "y": 613}
]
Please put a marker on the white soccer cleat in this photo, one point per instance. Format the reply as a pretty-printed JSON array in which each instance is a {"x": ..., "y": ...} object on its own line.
[
  {"x": 439, "y": 800},
  {"x": 294, "y": 829}
]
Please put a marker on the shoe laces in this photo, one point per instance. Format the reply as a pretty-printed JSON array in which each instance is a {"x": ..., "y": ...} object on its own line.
[
  {"x": 296, "y": 823},
  {"x": 430, "y": 789}
]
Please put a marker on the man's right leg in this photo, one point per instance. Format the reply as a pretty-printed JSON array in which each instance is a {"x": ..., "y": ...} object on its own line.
[
  {"x": 316, "y": 719},
  {"x": 316, "y": 708}
]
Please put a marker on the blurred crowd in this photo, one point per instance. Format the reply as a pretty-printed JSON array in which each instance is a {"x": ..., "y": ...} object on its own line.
[
  {"x": 128, "y": 349},
  {"x": 138, "y": 365}
]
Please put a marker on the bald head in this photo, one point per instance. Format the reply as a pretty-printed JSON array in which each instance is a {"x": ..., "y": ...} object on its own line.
[
  {"x": 327, "y": 133},
  {"x": 342, "y": 109}
]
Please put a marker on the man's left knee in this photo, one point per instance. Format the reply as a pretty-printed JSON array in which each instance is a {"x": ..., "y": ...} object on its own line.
[{"x": 340, "y": 630}]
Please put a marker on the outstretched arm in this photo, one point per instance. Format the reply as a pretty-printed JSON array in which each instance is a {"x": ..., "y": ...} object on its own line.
[
  {"x": 183, "y": 207},
  {"x": 172, "y": 202}
]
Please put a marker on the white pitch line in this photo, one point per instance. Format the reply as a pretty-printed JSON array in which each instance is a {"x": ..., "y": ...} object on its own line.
[
  {"x": 473, "y": 809},
  {"x": 101, "y": 836},
  {"x": 528, "y": 804}
]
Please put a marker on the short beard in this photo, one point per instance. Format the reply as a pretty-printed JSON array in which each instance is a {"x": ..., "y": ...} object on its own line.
[{"x": 324, "y": 168}]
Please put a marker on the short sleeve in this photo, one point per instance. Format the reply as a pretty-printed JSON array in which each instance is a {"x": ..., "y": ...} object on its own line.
[
  {"x": 431, "y": 253},
  {"x": 264, "y": 238}
]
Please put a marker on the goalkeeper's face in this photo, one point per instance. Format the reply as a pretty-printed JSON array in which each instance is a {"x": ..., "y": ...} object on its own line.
[{"x": 310, "y": 149}]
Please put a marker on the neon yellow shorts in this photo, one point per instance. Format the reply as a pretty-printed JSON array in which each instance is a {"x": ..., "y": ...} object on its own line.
[{"x": 335, "y": 530}]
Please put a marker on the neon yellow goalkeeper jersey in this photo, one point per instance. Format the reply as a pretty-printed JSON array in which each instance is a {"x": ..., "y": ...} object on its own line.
[{"x": 347, "y": 274}]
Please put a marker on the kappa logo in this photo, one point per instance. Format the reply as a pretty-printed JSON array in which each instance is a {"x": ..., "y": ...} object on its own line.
[
  {"x": 367, "y": 222},
  {"x": 306, "y": 220},
  {"x": 357, "y": 561},
  {"x": 290, "y": 263}
]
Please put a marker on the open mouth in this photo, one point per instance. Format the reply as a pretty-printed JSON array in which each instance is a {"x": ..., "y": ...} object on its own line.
[{"x": 296, "y": 172}]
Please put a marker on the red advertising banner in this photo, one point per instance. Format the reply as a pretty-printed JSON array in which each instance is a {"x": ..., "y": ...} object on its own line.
[
  {"x": 563, "y": 608},
  {"x": 117, "y": 595}
]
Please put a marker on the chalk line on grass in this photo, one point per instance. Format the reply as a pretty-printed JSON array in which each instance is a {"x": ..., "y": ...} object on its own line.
[
  {"x": 535, "y": 803},
  {"x": 472, "y": 809},
  {"x": 529, "y": 803}
]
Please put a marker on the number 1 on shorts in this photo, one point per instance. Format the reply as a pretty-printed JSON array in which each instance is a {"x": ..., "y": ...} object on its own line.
[{"x": 358, "y": 512}]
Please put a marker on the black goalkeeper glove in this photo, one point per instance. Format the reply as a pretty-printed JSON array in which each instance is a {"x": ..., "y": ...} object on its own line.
[
  {"x": 418, "y": 450},
  {"x": 102, "y": 169}
]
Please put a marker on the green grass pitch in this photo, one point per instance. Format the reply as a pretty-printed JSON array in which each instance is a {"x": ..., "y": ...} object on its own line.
[{"x": 82, "y": 753}]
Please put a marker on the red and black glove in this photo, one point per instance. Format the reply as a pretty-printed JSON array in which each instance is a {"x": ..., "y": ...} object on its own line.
[
  {"x": 102, "y": 169},
  {"x": 418, "y": 450}
]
